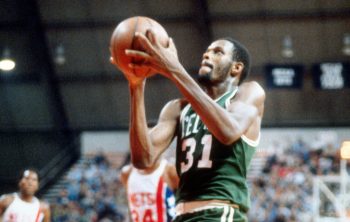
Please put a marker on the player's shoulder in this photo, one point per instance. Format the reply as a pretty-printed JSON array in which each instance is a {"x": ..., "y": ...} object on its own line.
[
  {"x": 6, "y": 199},
  {"x": 251, "y": 91},
  {"x": 44, "y": 205},
  {"x": 7, "y": 196},
  {"x": 45, "y": 209},
  {"x": 126, "y": 169},
  {"x": 124, "y": 173},
  {"x": 252, "y": 85},
  {"x": 176, "y": 104},
  {"x": 172, "y": 109},
  {"x": 169, "y": 164}
]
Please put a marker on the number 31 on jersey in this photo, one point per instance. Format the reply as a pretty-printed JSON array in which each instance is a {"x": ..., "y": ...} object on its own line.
[{"x": 189, "y": 144}]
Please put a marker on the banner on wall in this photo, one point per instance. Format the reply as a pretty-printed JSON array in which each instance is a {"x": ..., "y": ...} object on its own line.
[
  {"x": 284, "y": 76},
  {"x": 331, "y": 75}
]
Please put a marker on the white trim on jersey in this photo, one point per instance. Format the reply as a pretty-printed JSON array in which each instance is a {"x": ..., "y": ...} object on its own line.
[
  {"x": 227, "y": 102},
  {"x": 253, "y": 143}
]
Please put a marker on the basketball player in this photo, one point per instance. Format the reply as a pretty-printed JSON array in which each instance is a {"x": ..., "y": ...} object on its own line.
[
  {"x": 150, "y": 192},
  {"x": 217, "y": 125},
  {"x": 24, "y": 206}
]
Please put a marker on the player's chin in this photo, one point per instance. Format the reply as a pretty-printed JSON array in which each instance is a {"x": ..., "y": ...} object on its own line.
[
  {"x": 30, "y": 192},
  {"x": 203, "y": 71},
  {"x": 204, "y": 78}
]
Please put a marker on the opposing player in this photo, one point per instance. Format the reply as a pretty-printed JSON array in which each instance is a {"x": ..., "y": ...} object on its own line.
[
  {"x": 217, "y": 126},
  {"x": 150, "y": 192},
  {"x": 24, "y": 206}
]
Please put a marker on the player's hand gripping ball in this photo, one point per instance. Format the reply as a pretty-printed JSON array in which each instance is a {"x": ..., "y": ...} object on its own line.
[{"x": 124, "y": 38}]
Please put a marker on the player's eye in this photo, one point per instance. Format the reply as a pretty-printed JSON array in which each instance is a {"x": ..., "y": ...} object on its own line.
[{"x": 218, "y": 52}]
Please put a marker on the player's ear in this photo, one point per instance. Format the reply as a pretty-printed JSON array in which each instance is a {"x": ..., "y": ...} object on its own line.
[{"x": 236, "y": 68}]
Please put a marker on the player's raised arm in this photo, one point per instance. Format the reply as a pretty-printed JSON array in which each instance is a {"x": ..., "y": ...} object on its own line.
[
  {"x": 226, "y": 125},
  {"x": 148, "y": 144}
]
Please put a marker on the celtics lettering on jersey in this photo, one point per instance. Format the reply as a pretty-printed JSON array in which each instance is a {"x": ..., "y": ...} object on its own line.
[{"x": 191, "y": 126}]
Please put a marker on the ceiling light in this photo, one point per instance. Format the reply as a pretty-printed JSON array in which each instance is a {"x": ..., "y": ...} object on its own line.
[
  {"x": 7, "y": 63},
  {"x": 287, "y": 47},
  {"x": 346, "y": 44},
  {"x": 60, "y": 57}
]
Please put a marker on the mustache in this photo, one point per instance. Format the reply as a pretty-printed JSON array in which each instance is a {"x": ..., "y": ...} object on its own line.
[{"x": 206, "y": 63}]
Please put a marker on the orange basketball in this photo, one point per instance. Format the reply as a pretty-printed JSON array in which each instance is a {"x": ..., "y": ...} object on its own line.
[{"x": 123, "y": 37}]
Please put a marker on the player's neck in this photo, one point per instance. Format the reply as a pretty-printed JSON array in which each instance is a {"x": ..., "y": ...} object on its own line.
[
  {"x": 217, "y": 91},
  {"x": 26, "y": 197}
]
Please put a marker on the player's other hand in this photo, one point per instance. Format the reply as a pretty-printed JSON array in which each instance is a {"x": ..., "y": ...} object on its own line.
[
  {"x": 132, "y": 78},
  {"x": 160, "y": 59}
]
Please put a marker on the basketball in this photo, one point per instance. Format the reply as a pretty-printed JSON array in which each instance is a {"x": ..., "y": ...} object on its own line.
[{"x": 123, "y": 37}]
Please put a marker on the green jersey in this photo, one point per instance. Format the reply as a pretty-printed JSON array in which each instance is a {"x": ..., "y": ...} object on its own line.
[{"x": 209, "y": 169}]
